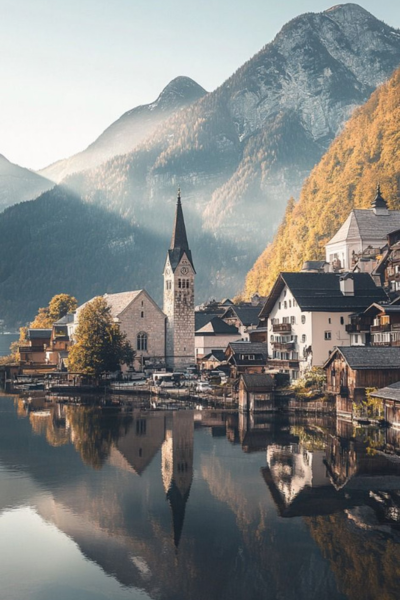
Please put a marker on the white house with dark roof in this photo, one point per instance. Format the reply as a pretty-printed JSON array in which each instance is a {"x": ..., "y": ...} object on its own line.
[
  {"x": 214, "y": 335},
  {"x": 363, "y": 228},
  {"x": 306, "y": 316}
]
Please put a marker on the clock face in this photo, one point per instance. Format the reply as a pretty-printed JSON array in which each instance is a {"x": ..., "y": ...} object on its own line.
[
  {"x": 167, "y": 271},
  {"x": 184, "y": 270}
]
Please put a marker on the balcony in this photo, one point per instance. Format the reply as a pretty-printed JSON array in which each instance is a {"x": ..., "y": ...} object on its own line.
[
  {"x": 283, "y": 345},
  {"x": 282, "y": 328},
  {"x": 358, "y": 327},
  {"x": 380, "y": 328}
]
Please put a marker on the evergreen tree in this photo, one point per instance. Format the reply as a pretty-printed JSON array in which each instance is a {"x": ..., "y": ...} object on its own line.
[{"x": 100, "y": 345}]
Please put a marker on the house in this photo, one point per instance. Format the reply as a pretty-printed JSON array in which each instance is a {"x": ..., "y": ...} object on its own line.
[
  {"x": 378, "y": 325},
  {"x": 214, "y": 335},
  {"x": 390, "y": 396},
  {"x": 213, "y": 360},
  {"x": 362, "y": 229},
  {"x": 306, "y": 315},
  {"x": 33, "y": 351},
  {"x": 141, "y": 320},
  {"x": 256, "y": 392},
  {"x": 244, "y": 316},
  {"x": 246, "y": 357},
  {"x": 351, "y": 370},
  {"x": 60, "y": 341}
]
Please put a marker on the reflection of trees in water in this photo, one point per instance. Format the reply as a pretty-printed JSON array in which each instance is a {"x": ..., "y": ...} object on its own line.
[
  {"x": 364, "y": 559},
  {"x": 93, "y": 433}
]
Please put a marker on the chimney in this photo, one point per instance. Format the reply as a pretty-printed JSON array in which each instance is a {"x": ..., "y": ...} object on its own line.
[{"x": 347, "y": 285}]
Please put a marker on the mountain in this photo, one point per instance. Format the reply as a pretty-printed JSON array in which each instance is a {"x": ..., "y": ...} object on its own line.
[
  {"x": 240, "y": 152},
  {"x": 129, "y": 130},
  {"x": 18, "y": 184},
  {"x": 57, "y": 243},
  {"x": 365, "y": 153}
]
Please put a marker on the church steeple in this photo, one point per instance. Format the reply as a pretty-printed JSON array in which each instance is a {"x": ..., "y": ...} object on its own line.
[
  {"x": 179, "y": 242},
  {"x": 379, "y": 204},
  {"x": 179, "y": 237}
]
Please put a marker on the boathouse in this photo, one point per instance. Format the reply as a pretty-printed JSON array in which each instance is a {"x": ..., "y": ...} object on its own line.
[{"x": 256, "y": 393}]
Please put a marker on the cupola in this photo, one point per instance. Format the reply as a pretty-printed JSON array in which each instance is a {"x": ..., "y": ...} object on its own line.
[{"x": 379, "y": 205}]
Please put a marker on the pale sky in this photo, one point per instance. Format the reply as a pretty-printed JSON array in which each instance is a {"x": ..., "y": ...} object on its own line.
[{"x": 69, "y": 68}]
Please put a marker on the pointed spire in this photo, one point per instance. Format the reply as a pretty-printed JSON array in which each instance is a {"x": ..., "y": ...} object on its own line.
[
  {"x": 179, "y": 237},
  {"x": 379, "y": 201}
]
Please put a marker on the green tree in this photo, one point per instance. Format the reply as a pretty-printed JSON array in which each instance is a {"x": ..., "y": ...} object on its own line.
[{"x": 100, "y": 345}]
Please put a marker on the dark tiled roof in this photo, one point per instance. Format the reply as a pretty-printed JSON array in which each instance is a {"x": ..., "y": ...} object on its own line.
[
  {"x": 260, "y": 382},
  {"x": 217, "y": 354},
  {"x": 39, "y": 334},
  {"x": 370, "y": 357},
  {"x": 320, "y": 292},
  {"x": 249, "y": 348},
  {"x": 217, "y": 326},
  {"x": 247, "y": 315},
  {"x": 202, "y": 318},
  {"x": 366, "y": 224}
]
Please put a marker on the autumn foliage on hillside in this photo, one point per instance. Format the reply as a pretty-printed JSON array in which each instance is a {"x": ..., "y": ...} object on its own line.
[{"x": 365, "y": 153}]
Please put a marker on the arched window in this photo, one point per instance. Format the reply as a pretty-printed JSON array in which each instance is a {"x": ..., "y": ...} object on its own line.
[{"x": 141, "y": 341}]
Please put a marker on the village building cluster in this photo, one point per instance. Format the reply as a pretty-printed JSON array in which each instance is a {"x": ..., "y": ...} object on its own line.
[{"x": 342, "y": 314}]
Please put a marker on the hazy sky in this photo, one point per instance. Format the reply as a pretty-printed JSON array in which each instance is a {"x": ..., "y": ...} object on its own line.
[{"x": 69, "y": 68}]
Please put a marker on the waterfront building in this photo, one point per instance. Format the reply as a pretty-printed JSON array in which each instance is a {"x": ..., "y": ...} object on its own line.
[
  {"x": 256, "y": 393},
  {"x": 306, "y": 316},
  {"x": 246, "y": 357}
]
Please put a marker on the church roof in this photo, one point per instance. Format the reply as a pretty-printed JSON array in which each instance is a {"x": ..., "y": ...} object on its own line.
[
  {"x": 118, "y": 302},
  {"x": 179, "y": 243},
  {"x": 365, "y": 224}
]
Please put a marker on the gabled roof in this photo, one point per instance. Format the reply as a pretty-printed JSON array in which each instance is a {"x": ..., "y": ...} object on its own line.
[
  {"x": 260, "y": 382},
  {"x": 390, "y": 392},
  {"x": 202, "y": 318},
  {"x": 365, "y": 224},
  {"x": 247, "y": 315},
  {"x": 320, "y": 292},
  {"x": 248, "y": 348},
  {"x": 368, "y": 357},
  {"x": 217, "y": 326},
  {"x": 119, "y": 302},
  {"x": 69, "y": 318},
  {"x": 217, "y": 354}
]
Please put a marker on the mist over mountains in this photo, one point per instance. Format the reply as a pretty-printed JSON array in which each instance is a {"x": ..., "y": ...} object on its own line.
[
  {"x": 237, "y": 153},
  {"x": 18, "y": 184}
]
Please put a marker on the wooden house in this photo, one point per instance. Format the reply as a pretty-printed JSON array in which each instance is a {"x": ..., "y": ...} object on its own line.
[
  {"x": 390, "y": 396},
  {"x": 351, "y": 370},
  {"x": 246, "y": 357},
  {"x": 213, "y": 360},
  {"x": 256, "y": 393},
  {"x": 33, "y": 351}
]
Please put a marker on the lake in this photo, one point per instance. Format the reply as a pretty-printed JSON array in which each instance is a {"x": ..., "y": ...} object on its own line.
[
  {"x": 5, "y": 342},
  {"x": 201, "y": 505}
]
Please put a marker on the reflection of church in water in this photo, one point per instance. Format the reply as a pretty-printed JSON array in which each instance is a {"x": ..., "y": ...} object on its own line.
[{"x": 173, "y": 433}]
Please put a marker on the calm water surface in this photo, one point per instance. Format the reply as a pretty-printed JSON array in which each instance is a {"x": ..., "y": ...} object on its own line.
[
  {"x": 5, "y": 342},
  {"x": 193, "y": 505}
]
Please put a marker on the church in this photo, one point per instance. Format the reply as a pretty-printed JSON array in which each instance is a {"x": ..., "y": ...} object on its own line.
[{"x": 161, "y": 338}]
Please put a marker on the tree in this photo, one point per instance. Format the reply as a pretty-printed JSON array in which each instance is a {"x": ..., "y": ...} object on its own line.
[
  {"x": 100, "y": 345},
  {"x": 59, "y": 306}
]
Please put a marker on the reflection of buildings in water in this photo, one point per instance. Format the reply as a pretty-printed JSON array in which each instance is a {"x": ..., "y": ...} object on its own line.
[
  {"x": 292, "y": 468},
  {"x": 177, "y": 466},
  {"x": 341, "y": 460},
  {"x": 255, "y": 431},
  {"x": 139, "y": 443}
]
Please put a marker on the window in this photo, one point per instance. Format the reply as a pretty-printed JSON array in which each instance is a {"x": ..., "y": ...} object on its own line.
[
  {"x": 272, "y": 338},
  {"x": 304, "y": 338},
  {"x": 179, "y": 283},
  {"x": 290, "y": 304},
  {"x": 356, "y": 338},
  {"x": 293, "y": 320},
  {"x": 329, "y": 320},
  {"x": 294, "y": 302},
  {"x": 342, "y": 320},
  {"x": 280, "y": 304},
  {"x": 141, "y": 341},
  {"x": 285, "y": 304},
  {"x": 303, "y": 319},
  {"x": 142, "y": 314},
  {"x": 168, "y": 285},
  {"x": 328, "y": 335},
  {"x": 285, "y": 320}
]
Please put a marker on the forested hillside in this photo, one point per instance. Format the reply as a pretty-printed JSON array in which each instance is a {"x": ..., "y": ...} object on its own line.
[
  {"x": 58, "y": 244},
  {"x": 365, "y": 153}
]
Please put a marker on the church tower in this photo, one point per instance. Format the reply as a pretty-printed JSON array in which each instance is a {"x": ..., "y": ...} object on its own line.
[{"x": 179, "y": 276}]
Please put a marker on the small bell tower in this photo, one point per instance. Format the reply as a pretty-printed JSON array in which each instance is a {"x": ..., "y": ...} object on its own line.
[{"x": 179, "y": 274}]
